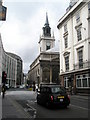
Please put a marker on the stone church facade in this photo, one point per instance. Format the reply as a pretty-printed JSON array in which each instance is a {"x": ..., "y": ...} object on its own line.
[{"x": 45, "y": 68}]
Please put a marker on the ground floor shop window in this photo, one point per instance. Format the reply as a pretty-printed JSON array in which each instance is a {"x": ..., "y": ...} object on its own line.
[
  {"x": 83, "y": 81},
  {"x": 66, "y": 82}
]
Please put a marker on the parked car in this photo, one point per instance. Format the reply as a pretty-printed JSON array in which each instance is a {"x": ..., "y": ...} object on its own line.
[{"x": 50, "y": 95}]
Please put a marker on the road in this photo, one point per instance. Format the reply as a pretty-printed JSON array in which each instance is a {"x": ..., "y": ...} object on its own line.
[{"x": 26, "y": 100}]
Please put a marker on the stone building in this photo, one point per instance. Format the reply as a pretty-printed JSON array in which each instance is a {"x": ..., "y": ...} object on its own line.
[
  {"x": 9, "y": 65},
  {"x": 74, "y": 30},
  {"x": 12, "y": 64},
  {"x": 19, "y": 79},
  {"x": 45, "y": 68}
]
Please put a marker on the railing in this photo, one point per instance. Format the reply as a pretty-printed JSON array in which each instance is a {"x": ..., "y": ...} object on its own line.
[{"x": 82, "y": 65}]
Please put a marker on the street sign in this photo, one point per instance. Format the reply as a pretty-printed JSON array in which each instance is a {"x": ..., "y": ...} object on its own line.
[{"x": 3, "y": 10}]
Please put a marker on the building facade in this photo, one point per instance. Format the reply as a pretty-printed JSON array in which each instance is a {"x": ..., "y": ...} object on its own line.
[
  {"x": 45, "y": 68},
  {"x": 19, "y": 79},
  {"x": 9, "y": 65},
  {"x": 12, "y": 65},
  {"x": 1, "y": 50},
  {"x": 74, "y": 30}
]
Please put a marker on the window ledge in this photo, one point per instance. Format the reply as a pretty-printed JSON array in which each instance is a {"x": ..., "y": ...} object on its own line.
[
  {"x": 78, "y": 25},
  {"x": 65, "y": 34}
]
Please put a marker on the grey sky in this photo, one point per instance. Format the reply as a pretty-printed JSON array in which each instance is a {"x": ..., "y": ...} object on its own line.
[{"x": 23, "y": 26}]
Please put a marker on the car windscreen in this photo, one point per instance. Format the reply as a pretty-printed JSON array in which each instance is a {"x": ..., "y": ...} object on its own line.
[{"x": 57, "y": 90}]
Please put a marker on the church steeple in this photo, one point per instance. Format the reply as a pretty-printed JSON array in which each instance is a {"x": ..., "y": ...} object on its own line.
[
  {"x": 46, "y": 28},
  {"x": 46, "y": 41},
  {"x": 47, "y": 22}
]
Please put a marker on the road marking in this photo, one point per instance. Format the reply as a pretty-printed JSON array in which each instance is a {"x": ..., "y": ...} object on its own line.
[
  {"x": 80, "y": 107},
  {"x": 19, "y": 92},
  {"x": 31, "y": 107},
  {"x": 80, "y": 98}
]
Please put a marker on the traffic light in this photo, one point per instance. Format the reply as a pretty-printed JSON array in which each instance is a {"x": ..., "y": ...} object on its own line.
[{"x": 4, "y": 76}]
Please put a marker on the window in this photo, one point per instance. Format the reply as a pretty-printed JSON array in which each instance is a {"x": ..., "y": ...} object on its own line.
[
  {"x": 68, "y": 83},
  {"x": 67, "y": 63},
  {"x": 89, "y": 82},
  {"x": 77, "y": 17},
  {"x": 66, "y": 42},
  {"x": 79, "y": 36},
  {"x": 38, "y": 71},
  {"x": 65, "y": 28},
  {"x": 47, "y": 47},
  {"x": 80, "y": 58},
  {"x": 84, "y": 82},
  {"x": 57, "y": 90},
  {"x": 78, "y": 76},
  {"x": 78, "y": 82},
  {"x": 40, "y": 49},
  {"x": 43, "y": 90},
  {"x": 65, "y": 83},
  {"x": 89, "y": 7}
]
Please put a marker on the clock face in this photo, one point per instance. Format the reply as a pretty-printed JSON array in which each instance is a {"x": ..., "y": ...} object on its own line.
[{"x": 48, "y": 43}]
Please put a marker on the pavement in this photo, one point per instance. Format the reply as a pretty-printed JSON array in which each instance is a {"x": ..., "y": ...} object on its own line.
[
  {"x": 11, "y": 109},
  {"x": 0, "y": 107}
]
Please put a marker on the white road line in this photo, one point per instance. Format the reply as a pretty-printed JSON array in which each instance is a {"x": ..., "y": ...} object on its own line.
[
  {"x": 20, "y": 93},
  {"x": 31, "y": 107},
  {"x": 80, "y": 98},
  {"x": 79, "y": 107}
]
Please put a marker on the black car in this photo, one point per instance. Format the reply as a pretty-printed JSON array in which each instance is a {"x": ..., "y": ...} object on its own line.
[{"x": 50, "y": 95}]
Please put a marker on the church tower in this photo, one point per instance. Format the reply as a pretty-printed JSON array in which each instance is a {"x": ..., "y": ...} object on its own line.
[{"x": 46, "y": 41}]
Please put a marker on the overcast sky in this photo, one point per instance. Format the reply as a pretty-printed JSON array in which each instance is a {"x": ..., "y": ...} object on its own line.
[{"x": 23, "y": 26}]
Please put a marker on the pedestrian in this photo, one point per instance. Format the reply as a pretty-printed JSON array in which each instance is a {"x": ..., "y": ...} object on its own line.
[{"x": 37, "y": 88}]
